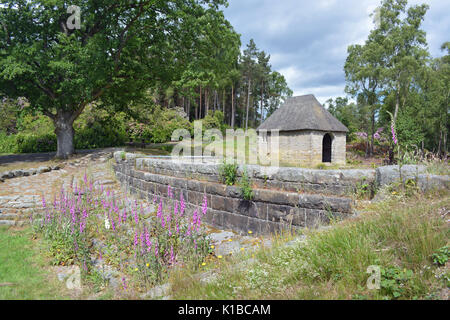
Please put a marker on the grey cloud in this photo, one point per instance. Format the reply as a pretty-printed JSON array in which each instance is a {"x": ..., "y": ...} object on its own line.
[{"x": 308, "y": 40}]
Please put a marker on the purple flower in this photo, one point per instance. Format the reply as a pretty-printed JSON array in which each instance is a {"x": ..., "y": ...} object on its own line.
[
  {"x": 135, "y": 238},
  {"x": 204, "y": 205},
  {"x": 182, "y": 205}
]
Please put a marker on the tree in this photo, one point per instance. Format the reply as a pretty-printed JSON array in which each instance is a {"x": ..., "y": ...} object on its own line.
[
  {"x": 404, "y": 45},
  {"x": 364, "y": 69},
  {"x": 249, "y": 68},
  {"x": 121, "y": 49}
]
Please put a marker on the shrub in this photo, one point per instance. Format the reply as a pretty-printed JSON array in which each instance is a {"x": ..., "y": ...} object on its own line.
[
  {"x": 441, "y": 256},
  {"x": 34, "y": 143},
  {"x": 143, "y": 244},
  {"x": 8, "y": 143},
  {"x": 246, "y": 187},
  {"x": 158, "y": 126},
  {"x": 228, "y": 173}
]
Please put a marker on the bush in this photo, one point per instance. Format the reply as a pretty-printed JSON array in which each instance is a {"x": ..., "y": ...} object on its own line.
[
  {"x": 159, "y": 126},
  {"x": 246, "y": 187},
  {"x": 7, "y": 143},
  {"x": 34, "y": 143},
  {"x": 99, "y": 128},
  {"x": 228, "y": 173}
]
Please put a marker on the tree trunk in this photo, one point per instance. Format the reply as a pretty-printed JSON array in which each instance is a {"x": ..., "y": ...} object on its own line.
[
  {"x": 262, "y": 101},
  {"x": 206, "y": 102},
  {"x": 65, "y": 134},
  {"x": 224, "y": 102},
  {"x": 372, "y": 138},
  {"x": 232, "y": 107},
  {"x": 248, "y": 104},
  {"x": 199, "y": 115}
]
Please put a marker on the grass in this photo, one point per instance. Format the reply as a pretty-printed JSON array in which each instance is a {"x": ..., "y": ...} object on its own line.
[
  {"x": 27, "y": 165},
  {"x": 439, "y": 168},
  {"x": 23, "y": 269},
  {"x": 399, "y": 235}
]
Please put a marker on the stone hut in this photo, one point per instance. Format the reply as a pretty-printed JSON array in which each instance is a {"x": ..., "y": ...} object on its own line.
[{"x": 308, "y": 133}]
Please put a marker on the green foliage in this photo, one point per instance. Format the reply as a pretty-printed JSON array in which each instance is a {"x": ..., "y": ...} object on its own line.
[
  {"x": 228, "y": 173},
  {"x": 24, "y": 266},
  {"x": 245, "y": 186},
  {"x": 395, "y": 282},
  {"x": 157, "y": 125},
  {"x": 214, "y": 120},
  {"x": 98, "y": 128},
  {"x": 364, "y": 189},
  {"x": 7, "y": 143},
  {"x": 62, "y": 71},
  {"x": 441, "y": 256},
  {"x": 409, "y": 131}
]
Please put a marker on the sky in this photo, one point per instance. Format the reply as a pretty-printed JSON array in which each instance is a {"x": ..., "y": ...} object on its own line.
[{"x": 308, "y": 39}]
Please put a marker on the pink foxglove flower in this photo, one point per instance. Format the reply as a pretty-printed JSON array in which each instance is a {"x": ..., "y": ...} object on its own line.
[
  {"x": 204, "y": 205},
  {"x": 182, "y": 205}
]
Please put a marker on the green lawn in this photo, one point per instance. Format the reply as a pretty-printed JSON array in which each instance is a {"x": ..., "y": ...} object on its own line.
[{"x": 24, "y": 273}]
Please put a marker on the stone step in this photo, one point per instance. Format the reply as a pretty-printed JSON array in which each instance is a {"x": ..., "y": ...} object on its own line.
[
  {"x": 11, "y": 216},
  {"x": 7, "y": 223}
]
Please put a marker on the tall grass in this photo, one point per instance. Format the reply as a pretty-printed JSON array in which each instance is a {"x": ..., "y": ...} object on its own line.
[{"x": 398, "y": 236}]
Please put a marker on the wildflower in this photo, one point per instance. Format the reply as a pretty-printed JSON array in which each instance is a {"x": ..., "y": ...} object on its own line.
[
  {"x": 182, "y": 205},
  {"x": 172, "y": 257},
  {"x": 148, "y": 265},
  {"x": 204, "y": 264},
  {"x": 220, "y": 257},
  {"x": 136, "y": 216},
  {"x": 250, "y": 232},
  {"x": 159, "y": 212},
  {"x": 212, "y": 247},
  {"x": 242, "y": 249},
  {"x": 43, "y": 202},
  {"x": 137, "y": 269},
  {"x": 169, "y": 192},
  {"x": 135, "y": 238},
  {"x": 204, "y": 205},
  {"x": 113, "y": 224},
  {"x": 175, "y": 210},
  {"x": 124, "y": 284},
  {"x": 107, "y": 225},
  {"x": 230, "y": 240},
  {"x": 147, "y": 240}
]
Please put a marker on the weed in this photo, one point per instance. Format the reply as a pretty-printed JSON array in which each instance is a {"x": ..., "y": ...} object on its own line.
[{"x": 228, "y": 173}]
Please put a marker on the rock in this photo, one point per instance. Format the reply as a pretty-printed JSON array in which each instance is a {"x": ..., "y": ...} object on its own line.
[
  {"x": 9, "y": 175},
  {"x": 221, "y": 236},
  {"x": 208, "y": 277},
  {"x": 18, "y": 173},
  {"x": 56, "y": 168},
  {"x": 2, "y": 180},
  {"x": 157, "y": 292},
  {"x": 390, "y": 174},
  {"x": 7, "y": 222},
  {"x": 43, "y": 169}
]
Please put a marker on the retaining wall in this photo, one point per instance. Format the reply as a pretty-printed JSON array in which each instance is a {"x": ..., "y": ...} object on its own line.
[{"x": 283, "y": 197}]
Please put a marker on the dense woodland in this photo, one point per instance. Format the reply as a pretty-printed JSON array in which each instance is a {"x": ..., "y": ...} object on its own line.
[{"x": 169, "y": 63}]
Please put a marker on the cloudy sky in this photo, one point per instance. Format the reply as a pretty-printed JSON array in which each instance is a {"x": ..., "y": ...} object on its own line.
[{"x": 308, "y": 39}]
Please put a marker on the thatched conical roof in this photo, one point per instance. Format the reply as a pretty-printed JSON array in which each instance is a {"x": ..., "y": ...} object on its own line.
[{"x": 303, "y": 113}]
